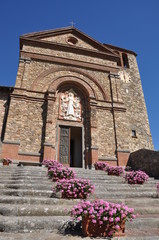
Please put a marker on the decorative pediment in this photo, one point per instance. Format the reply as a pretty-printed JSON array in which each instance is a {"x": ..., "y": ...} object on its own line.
[{"x": 69, "y": 36}]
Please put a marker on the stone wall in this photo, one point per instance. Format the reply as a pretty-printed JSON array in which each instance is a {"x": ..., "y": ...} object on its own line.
[
  {"x": 145, "y": 160},
  {"x": 106, "y": 138}
]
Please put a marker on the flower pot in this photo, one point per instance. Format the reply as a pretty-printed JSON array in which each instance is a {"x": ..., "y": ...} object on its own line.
[
  {"x": 113, "y": 174},
  {"x": 90, "y": 229},
  {"x": 5, "y": 163},
  {"x": 65, "y": 195}
]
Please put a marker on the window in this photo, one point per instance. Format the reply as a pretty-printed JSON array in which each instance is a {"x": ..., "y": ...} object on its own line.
[
  {"x": 125, "y": 60},
  {"x": 72, "y": 41},
  {"x": 134, "y": 133}
]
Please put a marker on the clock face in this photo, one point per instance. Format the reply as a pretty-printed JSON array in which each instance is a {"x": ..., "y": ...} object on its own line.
[{"x": 124, "y": 76}]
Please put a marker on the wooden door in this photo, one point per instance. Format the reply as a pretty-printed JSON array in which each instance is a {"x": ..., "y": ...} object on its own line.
[{"x": 64, "y": 149}]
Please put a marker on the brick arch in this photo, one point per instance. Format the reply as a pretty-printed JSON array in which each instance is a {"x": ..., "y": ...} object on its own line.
[
  {"x": 71, "y": 69},
  {"x": 73, "y": 80}
]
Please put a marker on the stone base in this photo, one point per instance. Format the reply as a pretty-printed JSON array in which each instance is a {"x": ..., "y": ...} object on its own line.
[
  {"x": 123, "y": 156},
  {"x": 11, "y": 150}
]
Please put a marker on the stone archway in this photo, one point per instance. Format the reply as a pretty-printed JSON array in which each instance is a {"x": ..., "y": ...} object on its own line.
[
  {"x": 86, "y": 95},
  {"x": 73, "y": 125}
]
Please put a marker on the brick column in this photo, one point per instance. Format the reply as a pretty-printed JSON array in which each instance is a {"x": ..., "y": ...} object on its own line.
[
  {"x": 20, "y": 73},
  {"x": 115, "y": 89},
  {"x": 94, "y": 134},
  {"x": 23, "y": 73},
  {"x": 49, "y": 147}
]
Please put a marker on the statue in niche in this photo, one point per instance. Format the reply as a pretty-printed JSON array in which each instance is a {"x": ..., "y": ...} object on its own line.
[{"x": 70, "y": 106}]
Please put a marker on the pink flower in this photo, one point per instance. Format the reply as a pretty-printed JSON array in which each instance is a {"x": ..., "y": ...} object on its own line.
[
  {"x": 117, "y": 219},
  {"x": 111, "y": 220},
  {"x": 117, "y": 227},
  {"x": 94, "y": 221}
]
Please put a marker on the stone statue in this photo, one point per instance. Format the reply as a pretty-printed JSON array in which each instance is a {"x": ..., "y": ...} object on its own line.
[{"x": 70, "y": 108}]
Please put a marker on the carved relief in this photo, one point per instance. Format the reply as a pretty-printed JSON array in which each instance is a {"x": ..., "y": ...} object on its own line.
[
  {"x": 124, "y": 76},
  {"x": 70, "y": 106}
]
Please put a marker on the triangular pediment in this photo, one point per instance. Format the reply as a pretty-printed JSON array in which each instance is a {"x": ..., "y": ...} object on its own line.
[{"x": 69, "y": 36}]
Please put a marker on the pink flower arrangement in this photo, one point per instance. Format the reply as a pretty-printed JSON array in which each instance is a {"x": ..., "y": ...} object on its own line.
[
  {"x": 100, "y": 166},
  {"x": 100, "y": 212},
  {"x": 136, "y": 177},
  {"x": 58, "y": 172},
  {"x": 75, "y": 188},
  {"x": 115, "y": 170},
  {"x": 51, "y": 163}
]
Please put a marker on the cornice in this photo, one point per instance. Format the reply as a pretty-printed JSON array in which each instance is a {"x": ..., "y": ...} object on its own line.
[
  {"x": 120, "y": 49},
  {"x": 70, "y": 62}
]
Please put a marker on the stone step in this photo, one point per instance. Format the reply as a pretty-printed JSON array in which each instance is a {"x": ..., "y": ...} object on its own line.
[
  {"x": 97, "y": 194},
  {"x": 10, "y": 173},
  {"x": 143, "y": 223},
  {"x": 28, "y": 186},
  {"x": 56, "y": 209},
  {"x": 33, "y": 223},
  {"x": 124, "y": 187},
  {"x": 93, "y": 181},
  {"x": 25, "y": 192},
  {"x": 50, "y": 185},
  {"x": 25, "y": 178},
  {"x": 131, "y": 202},
  {"x": 54, "y": 235},
  {"x": 120, "y": 194},
  {"x": 35, "y": 210},
  {"x": 36, "y": 200},
  {"x": 26, "y": 181}
]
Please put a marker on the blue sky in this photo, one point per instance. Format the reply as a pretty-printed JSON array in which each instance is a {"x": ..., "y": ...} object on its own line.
[{"x": 129, "y": 24}]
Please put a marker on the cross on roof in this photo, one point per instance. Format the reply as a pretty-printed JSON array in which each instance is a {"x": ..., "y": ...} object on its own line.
[{"x": 72, "y": 23}]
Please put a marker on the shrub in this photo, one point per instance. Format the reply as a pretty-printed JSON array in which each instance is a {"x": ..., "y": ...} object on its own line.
[
  {"x": 58, "y": 172},
  {"x": 136, "y": 177},
  {"x": 103, "y": 213},
  {"x": 74, "y": 188},
  {"x": 113, "y": 170},
  {"x": 100, "y": 165}
]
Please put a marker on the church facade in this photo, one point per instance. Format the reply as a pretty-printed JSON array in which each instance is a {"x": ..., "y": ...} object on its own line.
[{"x": 75, "y": 100}]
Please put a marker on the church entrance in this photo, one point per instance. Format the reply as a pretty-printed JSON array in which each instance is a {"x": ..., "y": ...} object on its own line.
[{"x": 70, "y": 146}]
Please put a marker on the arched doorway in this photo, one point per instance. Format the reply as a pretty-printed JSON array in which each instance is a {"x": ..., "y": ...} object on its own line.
[{"x": 73, "y": 125}]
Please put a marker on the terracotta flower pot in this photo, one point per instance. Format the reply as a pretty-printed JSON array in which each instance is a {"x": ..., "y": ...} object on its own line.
[
  {"x": 113, "y": 174},
  {"x": 65, "y": 195},
  {"x": 5, "y": 163},
  {"x": 90, "y": 229}
]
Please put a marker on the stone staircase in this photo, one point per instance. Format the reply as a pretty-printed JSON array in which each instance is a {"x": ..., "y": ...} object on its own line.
[{"x": 28, "y": 210}]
